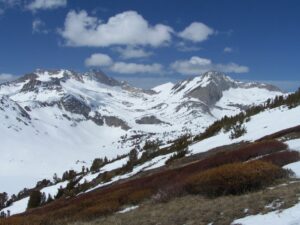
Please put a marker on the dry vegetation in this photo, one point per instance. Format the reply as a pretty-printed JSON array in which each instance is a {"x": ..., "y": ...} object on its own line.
[
  {"x": 161, "y": 186},
  {"x": 235, "y": 178},
  {"x": 199, "y": 210}
]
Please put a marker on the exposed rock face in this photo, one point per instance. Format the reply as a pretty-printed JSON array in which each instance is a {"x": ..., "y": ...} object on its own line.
[
  {"x": 209, "y": 87},
  {"x": 191, "y": 105},
  {"x": 213, "y": 85},
  {"x": 31, "y": 85},
  {"x": 116, "y": 122},
  {"x": 149, "y": 120},
  {"x": 268, "y": 87},
  {"x": 73, "y": 105},
  {"x": 102, "y": 78},
  {"x": 13, "y": 109},
  {"x": 97, "y": 119}
]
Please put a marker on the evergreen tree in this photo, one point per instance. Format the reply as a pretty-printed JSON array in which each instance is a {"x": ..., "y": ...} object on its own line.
[
  {"x": 60, "y": 193},
  {"x": 35, "y": 199},
  {"x": 56, "y": 179},
  {"x": 133, "y": 156},
  {"x": 43, "y": 198},
  {"x": 97, "y": 164},
  {"x": 49, "y": 199},
  {"x": 3, "y": 199},
  {"x": 237, "y": 131}
]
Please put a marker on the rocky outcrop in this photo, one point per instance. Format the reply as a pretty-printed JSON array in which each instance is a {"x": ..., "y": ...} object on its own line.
[
  {"x": 74, "y": 105},
  {"x": 97, "y": 119},
  {"x": 113, "y": 121},
  {"x": 212, "y": 90},
  {"x": 102, "y": 78},
  {"x": 149, "y": 120}
]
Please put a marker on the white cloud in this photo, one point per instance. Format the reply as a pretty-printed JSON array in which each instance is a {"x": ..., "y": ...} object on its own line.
[
  {"x": 98, "y": 60},
  {"x": 196, "y": 32},
  {"x": 46, "y": 4},
  {"x": 196, "y": 65},
  {"x": 130, "y": 52},
  {"x": 38, "y": 26},
  {"x": 132, "y": 68},
  {"x": 228, "y": 50},
  {"x": 4, "y": 77},
  {"x": 127, "y": 28},
  {"x": 102, "y": 60}
]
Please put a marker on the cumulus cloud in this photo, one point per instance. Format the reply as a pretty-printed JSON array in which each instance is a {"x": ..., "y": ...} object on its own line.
[
  {"x": 127, "y": 28},
  {"x": 132, "y": 68},
  {"x": 98, "y": 59},
  {"x": 196, "y": 32},
  {"x": 130, "y": 52},
  {"x": 196, "y": 65},
  {"x": 46, "y": 4},
  {"x": 38, "y": 26},
  {"x": 102, "y": 60},
  {"x": 228, "y": 50},
  {"x": 4, "y": 77}
]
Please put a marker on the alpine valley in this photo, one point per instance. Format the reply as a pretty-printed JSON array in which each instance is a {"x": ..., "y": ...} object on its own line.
[
  {"x": 72, "y": 136},
  {"x": 59, "y": 120}
]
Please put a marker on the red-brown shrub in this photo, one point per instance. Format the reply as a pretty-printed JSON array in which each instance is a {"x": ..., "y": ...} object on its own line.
[
  {"x": 235, "y": 178},
  {"x": 282, "y": 158}
]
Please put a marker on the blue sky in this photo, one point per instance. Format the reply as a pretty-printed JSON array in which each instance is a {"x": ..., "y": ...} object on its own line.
[{"x": 150, "y": 42}]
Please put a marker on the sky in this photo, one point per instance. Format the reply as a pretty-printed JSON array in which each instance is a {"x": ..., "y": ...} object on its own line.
[{"x": 152, "y": 42}]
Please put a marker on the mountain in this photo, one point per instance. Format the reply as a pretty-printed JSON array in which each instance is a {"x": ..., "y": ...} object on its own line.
[
  {"x": 59, "y": 120},
  {"x": 239, "y": 161}
]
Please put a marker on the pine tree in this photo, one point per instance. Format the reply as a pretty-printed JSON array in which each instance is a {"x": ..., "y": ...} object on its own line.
[
  {"x": 133, "y": 156},
  {"x": 97, "y": 164},
  {"x": 49, "y": 199},
  {"x": 35, "y": 199},
  {"x": 3, "y": 199},
  {"x": 56, "y": 179},
  {"x": 237, "y": 131}
]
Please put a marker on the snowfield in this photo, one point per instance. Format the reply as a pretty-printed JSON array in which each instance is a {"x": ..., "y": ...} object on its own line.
[
  {"x": 21, "y": 205},
  {"x": 290, "y": 216},
  {"x": 260, "y": 125},
  {"x": 295, "y": 167}
]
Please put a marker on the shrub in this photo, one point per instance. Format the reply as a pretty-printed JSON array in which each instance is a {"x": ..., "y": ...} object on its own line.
[
  {"x": 139, "y": 195},
  {"x": 282, "y": 158},
  {"x": 235, "y": 178},
  {"x": 99, "y": 210},
  {"x": 165, "y": 194}
]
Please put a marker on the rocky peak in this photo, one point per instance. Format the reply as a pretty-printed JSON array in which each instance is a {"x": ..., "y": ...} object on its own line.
[
  {"x": 101, "y": 77},
  {"x": 208, "y": 87}
]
